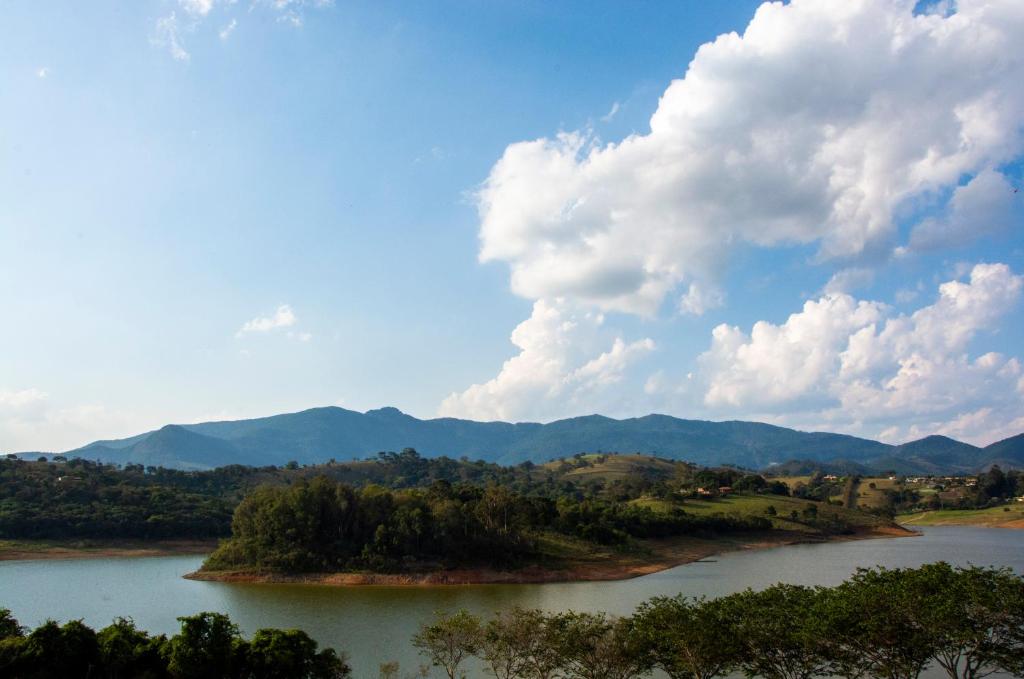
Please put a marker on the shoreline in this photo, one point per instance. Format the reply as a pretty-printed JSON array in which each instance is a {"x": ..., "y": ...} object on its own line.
[
  {"x": 922, "y": 521},
  {"x": 661, "y": 555},
  {"x": 48, "y": 550}
]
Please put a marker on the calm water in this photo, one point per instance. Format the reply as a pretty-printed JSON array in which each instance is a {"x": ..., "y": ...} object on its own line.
[{"x": 375, "y": 624}]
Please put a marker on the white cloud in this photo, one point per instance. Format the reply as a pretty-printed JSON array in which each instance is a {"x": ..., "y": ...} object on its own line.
[
  {"x": 196, "y": 7},
  {"x": 21, "y": 401},
  {"x": 284, "y": 317},
  {"x": 167, "y": 36},
  {"x": 778, "y": 364},
  {"x": 814, "y": 126},
  {"x": 848, "y": 280},
  {"x": 564, "y": 367},
  {"x": 169, "y": 29},
  {"x": 31, "y": 421},
  {"x": 42, "y": 72},
  {"x": 612, "y": 112},
  {"x": 985, "y": 205},
  {"x": 906, "y": 295},
  {"x": 700, "y": 298},
  {"x": 226, "y": 32},
  {"x": 849, "y": 364}
]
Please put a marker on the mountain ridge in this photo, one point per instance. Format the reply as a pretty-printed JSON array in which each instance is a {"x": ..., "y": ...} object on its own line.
[{"x": 330, "y": 432}]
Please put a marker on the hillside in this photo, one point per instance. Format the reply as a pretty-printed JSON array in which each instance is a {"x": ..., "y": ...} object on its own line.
[{"x": 322, "y": 434}]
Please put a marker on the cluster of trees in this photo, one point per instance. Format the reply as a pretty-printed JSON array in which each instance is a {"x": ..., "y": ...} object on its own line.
[
  {"x": 83, "y": 499},
  {"x": 995, "y": 487},
  {"x": 322, "y": 525},
  {"x": 78, "y": 498},
  {"x": 818, "y": 488},
  {"x": 208, "y": 646},
  {"x": 889, "y": 624}
]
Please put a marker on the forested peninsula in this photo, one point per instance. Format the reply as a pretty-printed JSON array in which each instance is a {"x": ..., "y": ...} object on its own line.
[
  {"x": 400, "y": 518},
  {"x": 622, "y": 516}
]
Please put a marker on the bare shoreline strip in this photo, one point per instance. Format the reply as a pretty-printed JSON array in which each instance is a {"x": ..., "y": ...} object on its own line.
[
  {"x": 39, "y": 550},
  {"x": 664, "y": 554}
]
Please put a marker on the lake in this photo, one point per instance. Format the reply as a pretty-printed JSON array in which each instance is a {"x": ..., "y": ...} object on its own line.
[{"x": 375, "y": 624}]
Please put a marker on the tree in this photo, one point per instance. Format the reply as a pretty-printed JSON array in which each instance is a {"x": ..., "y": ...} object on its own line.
[
  {"x": 687, "y": 639},
  {"x": 777, "y": 632},
  {"x": 55, "y": 651},
  {"x": 507, "y": 642},
  {"x": 206, "y": 648},
  {"x": 9, "y": 627},
  {"x": 449, "y": 640},
  {"x": 974, "y": 617},
  {"x": 126, "y": 651},
  {"x": 596, "y": 646},
  {"x": 869, "y": 626}
]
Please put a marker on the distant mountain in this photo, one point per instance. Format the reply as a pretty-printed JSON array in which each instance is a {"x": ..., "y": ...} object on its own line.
[
  {"x": 1006, "y": 453},
  {"x": 320, "y": 434}
]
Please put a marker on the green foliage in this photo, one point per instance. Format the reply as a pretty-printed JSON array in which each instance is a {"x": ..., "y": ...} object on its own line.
[
  {"x": 208, "y": 646},
  {"x": 81, "y": 499},
  {"x": 687, "y": 639},
  {"x": 597, "y": 646},
  {"x": 777, "y": 632},
  {"x": 276, "y": 653},
  {"x": 326, "y": 526},
  {"x": 449, "y": 640},
  {"x": 126, "y": 651}
]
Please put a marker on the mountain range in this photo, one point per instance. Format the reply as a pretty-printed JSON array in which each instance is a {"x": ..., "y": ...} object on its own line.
[{"x": 321, "y": 434}]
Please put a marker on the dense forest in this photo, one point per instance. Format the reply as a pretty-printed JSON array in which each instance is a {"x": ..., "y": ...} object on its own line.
[
  {"x": 885, "y": 624},
  {"x": 78, "y": 498},
  {"x": 327, "y": 526}
]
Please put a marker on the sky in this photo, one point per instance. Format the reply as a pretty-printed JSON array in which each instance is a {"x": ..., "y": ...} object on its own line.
[{"x": 802, "y": 213}]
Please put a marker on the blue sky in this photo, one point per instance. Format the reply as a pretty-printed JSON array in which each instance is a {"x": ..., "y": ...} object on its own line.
[{"x": 173, "y": 170}]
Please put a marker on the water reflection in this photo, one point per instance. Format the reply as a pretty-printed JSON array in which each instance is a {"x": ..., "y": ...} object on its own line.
[{"x": 375, "y": 623}]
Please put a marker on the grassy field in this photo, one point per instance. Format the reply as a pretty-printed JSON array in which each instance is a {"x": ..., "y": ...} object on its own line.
[
  {"x": 1011, "y": 516},
  {"x": 874, "y": 497},
  {"x": 757, "y": 505},
  {"x": 614, "y": 467},
  {"x": 791, "y": 481}
]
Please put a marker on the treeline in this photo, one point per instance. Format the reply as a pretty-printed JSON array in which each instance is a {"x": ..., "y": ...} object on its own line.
[
  {"x": 208, "y": 646},
  {"x": 885, "y": 624},
  {"x": 326, "y": 526},
  {"x": 78, "y": 498},
  {"x": 82, "y": 499}
]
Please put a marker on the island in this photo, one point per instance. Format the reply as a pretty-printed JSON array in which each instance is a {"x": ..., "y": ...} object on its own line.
[{"x": 597, "y": 517}]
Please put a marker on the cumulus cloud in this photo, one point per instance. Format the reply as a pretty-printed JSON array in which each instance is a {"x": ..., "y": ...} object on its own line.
[
  {"x": 700, "y": 298},
  {"x": 851, "y": 363},
  {"x": 813, "y": 126},
  {"x": 985, "y": 205},
  {"x": 564, "y": 367},
  {"x": 284, "y": 317}
]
